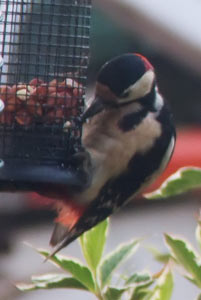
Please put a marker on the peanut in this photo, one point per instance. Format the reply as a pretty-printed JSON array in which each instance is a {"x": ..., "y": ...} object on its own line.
[
  {"x": 23, "y": 117},
  {"x": 10, "y": 104},
  {"x": 30, "y": 88},
  {"x": 57, "y": 100},
  {"x": 54, "y": 82},
  {"x": 40, "y": 93},
  {"x": 23, "y": 94},
  {"x": 70, "y": 83},
  {"x": 35, "y": 82},
  {"x": 34, "y": 107},
  {"x": 5, "y": 92}
]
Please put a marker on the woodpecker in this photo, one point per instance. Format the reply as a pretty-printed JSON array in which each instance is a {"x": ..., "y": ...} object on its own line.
[{"x": 128, "y": 139}]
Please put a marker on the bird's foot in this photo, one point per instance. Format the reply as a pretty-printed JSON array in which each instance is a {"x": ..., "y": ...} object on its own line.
[{"x": 81, "y": 162}]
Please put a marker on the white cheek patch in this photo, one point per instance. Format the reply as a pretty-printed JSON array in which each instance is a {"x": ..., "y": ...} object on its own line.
[{"x": 140, "y": 88}]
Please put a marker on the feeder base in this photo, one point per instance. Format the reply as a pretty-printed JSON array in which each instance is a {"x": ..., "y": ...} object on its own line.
[{"x": 19, "y": 176}]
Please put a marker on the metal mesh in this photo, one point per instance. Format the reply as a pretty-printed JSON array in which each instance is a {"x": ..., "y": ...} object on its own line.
[{"x": 44, "y": 48}]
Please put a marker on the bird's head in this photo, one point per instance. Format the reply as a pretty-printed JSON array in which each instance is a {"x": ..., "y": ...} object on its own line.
[{"x": 122, "y": 80}]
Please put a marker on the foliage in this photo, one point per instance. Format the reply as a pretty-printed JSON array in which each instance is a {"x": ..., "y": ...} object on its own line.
[
  {"x": 181, "y": 252},
  {"x": 98, "y": 275},
  {"x": 184, "y": 180}
]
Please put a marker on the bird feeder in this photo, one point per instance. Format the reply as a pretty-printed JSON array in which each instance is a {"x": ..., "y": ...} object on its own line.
[{"x": 44, "y": 47}]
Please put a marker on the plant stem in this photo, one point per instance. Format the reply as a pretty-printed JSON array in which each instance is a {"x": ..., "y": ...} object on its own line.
[
  {"x": 99, "y": 296},
  {"x": 98, "y": 290}
]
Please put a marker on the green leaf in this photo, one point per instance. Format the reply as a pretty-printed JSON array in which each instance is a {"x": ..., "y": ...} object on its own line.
[
  {"x": 138, "y": 278},
  {"x": 159, "y": 256},
  {"x": 198, "y": 230},
  {"x": 186, "y": 257},
  {"x": 74, "y": 267},
  {"x": 140, "y": 291},
  {"x": 140, "y": 294},
  {"x": 51, "y": 281},
  {"x": 164, "y": 286},
  {"x": 198, "y": 234},
  {"x": 199, "y": 297},
  {"x": 115, "y": 258},
  {"x": 93, "y": 242},
  {"x": 114, "y": 293},
  {"x": 183, "y": 180}
]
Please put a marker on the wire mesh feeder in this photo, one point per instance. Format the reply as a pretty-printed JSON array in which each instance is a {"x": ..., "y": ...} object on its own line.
[{"x": 44, "y": 48}]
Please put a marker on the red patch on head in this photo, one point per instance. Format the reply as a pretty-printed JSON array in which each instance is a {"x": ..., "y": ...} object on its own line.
[
  {"x": 147, "y": 64},
  {"x": 68, "y": 213}
]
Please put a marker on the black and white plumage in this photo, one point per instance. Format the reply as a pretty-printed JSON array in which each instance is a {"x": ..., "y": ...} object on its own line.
[{"x": 129, "y": 138}]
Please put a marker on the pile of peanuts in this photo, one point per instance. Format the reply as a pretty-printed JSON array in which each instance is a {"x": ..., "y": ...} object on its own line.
[{"x": 51, "y": 102}]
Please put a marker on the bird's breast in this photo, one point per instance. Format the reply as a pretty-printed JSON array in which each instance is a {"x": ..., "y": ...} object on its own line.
[
  {"x": 111, "y": 149},
  {"x": 103, "y": 134}
]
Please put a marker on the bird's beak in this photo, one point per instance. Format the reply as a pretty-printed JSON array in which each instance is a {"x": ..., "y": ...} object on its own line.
[{"x": 96, "y": 107}]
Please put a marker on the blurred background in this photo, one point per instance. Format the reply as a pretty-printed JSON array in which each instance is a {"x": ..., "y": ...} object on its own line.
[{"x": 168, "y": 34}]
